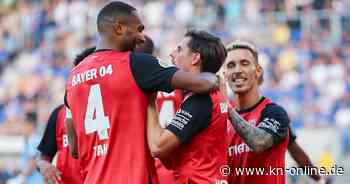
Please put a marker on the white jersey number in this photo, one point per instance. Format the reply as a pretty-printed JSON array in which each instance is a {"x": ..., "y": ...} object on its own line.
[
  {"x": 166, "y": 113},
  {"x": 95, "y": 119}
]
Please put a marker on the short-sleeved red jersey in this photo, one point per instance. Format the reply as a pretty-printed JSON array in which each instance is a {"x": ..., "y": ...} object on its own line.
[
  {"x": 65, "y": 163},
  {"x": 167, "y": 104},
  {"x": 199, "y": 161},
  {"x": 109, "y": 114},
  {"x": 240, "y": 156}
]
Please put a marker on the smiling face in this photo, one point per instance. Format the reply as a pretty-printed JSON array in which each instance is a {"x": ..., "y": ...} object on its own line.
[{"x": 241, "y": 71}]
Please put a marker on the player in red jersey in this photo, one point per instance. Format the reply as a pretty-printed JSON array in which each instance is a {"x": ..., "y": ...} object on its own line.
[
  {"x": 55, "y": 142},
  {"x": 167, "y": 104},
  {"x": 260, "y": 127},
  {"x": 107, "y": 97},
  {"x": 193, "y": 144}
]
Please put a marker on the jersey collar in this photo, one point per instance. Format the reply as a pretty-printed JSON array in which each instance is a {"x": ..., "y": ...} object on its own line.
[{"x": 251, "y": 108}]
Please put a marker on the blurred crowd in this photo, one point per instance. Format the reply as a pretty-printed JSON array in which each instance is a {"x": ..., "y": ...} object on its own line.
[{"x": 304, "y": 48}]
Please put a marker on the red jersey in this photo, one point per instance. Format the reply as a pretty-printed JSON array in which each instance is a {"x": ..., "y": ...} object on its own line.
[
  {"x": 109, "y": 110},
  {"x": 65, "y": 163},
  {"x": 240, "y": 155},
  {"x": 167, "y": 104},
  {"x": 198, "y": 161},
  {"x": 55, "y": 143}
]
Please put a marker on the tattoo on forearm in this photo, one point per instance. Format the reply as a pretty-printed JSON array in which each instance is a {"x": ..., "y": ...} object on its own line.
[{"x": 256, "y": 138}]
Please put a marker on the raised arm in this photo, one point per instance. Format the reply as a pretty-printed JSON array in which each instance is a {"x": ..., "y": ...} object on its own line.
[
  {"x": 199, "y": 83},
  {"x": 151, "y": 76}
]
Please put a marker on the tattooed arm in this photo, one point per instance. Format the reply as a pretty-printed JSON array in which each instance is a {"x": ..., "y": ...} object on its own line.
[
  {"x": 257, "y": 139},
  {"x": 271, "y": 130}
]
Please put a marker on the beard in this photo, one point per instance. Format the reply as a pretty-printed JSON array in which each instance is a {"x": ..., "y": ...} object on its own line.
[{"x": 129, "y": 46}]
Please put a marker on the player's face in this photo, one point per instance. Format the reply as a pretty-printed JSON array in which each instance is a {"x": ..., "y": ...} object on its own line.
[
  {"x": 182, "y": 56},
  {"x": 241, "y": 71},
  {"x": 133, "y": 33}
]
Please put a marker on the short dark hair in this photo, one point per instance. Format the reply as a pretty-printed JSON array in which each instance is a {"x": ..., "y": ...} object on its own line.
[
  {"x": 110, "y": 12},
  {"x": 146, "y": 47},
  {"x": 80, "y": 57},
  {"x": 243, "y": 45},
  {"x": 211, "y": 49}
]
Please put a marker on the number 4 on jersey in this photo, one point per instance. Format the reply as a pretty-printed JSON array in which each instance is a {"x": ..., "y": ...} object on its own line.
[
  {"x": 95, "y": 119},
  {"x": 166, "y": 113}
]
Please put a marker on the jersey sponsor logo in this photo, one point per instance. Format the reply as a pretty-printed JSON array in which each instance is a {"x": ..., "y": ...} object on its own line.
[
  {"x": 91, "y": 74},
  {"x": 181, "y": 119},
  {"x": 271, "y": 124},
  {"x": 185, "y": 113},
  {"x": 238, "y": 149}
]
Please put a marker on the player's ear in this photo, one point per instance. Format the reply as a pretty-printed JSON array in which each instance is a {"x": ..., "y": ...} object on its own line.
[
  {"x": 118, "y": 28},
  {"x": 196, "y": 58},
  {"x": 259, "y": 72}
]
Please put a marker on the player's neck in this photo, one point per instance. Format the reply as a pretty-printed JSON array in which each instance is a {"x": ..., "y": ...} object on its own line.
[
  {"x": 247, "y": 100},
  {"x": 104, "y": 43}
]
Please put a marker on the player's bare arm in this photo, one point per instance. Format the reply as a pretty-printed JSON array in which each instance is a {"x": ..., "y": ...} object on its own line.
[
  {"x": 160, "y": 141},
  {"x": 302, "y": 159},
  {"x": 72, "y": 137},
  {"x": 152, "y": 76},
  {"x": 198, "y": 83},
  {"x": 257, "y": 139},
  {"x": 50, "y": 172}
]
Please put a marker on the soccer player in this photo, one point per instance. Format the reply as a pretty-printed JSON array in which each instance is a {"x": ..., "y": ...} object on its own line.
[
  {"x": 55, "y": 142},
  {"x": 194, "y": 142},
  {"x": 107, "y": 97},
  {"x": 167, "y": 104},
  {"x": 260, "y": 127}
]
